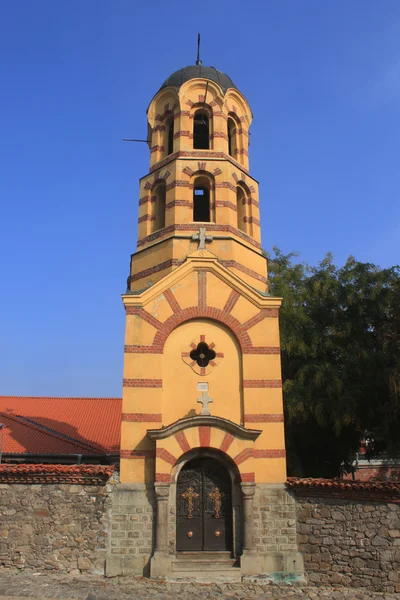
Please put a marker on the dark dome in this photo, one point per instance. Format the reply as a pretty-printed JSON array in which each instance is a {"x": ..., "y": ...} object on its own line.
[{"x": 179, "y": 77}]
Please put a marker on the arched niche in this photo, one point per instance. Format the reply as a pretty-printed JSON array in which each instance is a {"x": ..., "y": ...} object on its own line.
[{"x": 180, "y": 381}]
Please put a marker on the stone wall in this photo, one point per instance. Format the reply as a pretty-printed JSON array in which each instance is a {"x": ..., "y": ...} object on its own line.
[
  {"x": 132, "y": 530},
  {"x": 60, "y": 527},
  {"x": 274, "y": 513},
  {"x": 350, "y": 542}
]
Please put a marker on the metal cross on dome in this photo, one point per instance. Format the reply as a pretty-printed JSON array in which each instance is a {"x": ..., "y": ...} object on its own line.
[{"x": 202, "y": 238}]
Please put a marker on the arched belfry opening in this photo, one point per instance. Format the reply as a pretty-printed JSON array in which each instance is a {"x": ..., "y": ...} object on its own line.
[
  {"x": 232, "y": 136},
  {"x": 159, "y": 201},
  {"x": 201, "y": 130},
  {"x": 243, "y": 209},
  {"x": 204, "y": 507},
  {"x": 202, "y": 209},
  {"x": 169, "y": 135}
]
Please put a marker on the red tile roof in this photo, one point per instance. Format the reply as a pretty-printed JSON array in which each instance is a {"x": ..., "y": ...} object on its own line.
[
  {"x": 76, "y": 474},
  {"x": 388, "y": 491},
  {"x": 60, "y": 425}
]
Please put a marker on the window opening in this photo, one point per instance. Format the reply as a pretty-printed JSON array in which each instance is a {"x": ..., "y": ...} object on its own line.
[
  {"x": 201, "y": 204},
  {"x": 170, "y": 133},
  {"x": 241, "y": 208},
  {"x": 159, "y": 209},
  {"x": 201, "y": 139},
  {"x": 231, "y": 137},
  {"x": 202, "y": 354}
]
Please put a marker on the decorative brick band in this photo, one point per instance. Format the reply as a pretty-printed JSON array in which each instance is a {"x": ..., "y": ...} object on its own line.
[
  {"x": 230, "y": 303},
  {"x": 243, "y": 269},
  {"x": 204, "y": 435},
  {"x": 269, "y": 453},
  {"x": 210, "y": 227},
  {"x": 196, "y": 154},
  {"x": 166, "y": 456},
  {"x": 202, "y": 288},
  {"x": 142, "y": 417},
  {"x": 143, "y": 383},
  {"x": 263, "y": 418},
  {"x": 135, "y": 349},
  {"x": 172, "y": 301},
  {"x": 162, "y": 478},
  {"x": 137, "y": 454},
  {"x": 263, "y": 350},
  {"x": 225, "y": 204},
  {"x": 244, "y": 455},
  {"x": 263, "y": 314},
  {"x": 226, "y": 442},
  {"x": 262, "y": 383},
  {"x": 173, "y": 262},
  {"x": 182, "y": 441},
  {"x": 247, "y": 477},
  {"x": 206, "y": 312}
]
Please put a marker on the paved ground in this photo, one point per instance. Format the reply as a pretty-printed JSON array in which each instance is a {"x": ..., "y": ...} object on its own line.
[{"x": 15, "y": 585}]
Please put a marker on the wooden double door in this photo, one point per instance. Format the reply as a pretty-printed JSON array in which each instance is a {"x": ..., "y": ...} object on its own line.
[{"x": 204, "y": 507}]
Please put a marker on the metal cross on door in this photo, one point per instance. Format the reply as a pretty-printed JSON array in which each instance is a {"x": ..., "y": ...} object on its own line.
[{"x": 204, "y": 507}]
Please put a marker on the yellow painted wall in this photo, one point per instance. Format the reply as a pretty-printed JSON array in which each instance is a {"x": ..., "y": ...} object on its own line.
[{"x": 180, "y": 381}]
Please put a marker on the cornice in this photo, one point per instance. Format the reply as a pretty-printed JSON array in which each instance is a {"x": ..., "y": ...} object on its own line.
[
  {"x": 202, "y": 261},
  {"x": 204, "y": 420}
]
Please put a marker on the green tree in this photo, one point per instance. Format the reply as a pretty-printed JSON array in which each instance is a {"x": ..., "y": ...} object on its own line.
[{"x": 340, "y": 337}]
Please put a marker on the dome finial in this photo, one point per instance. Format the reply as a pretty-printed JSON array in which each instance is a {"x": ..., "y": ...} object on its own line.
[{"x": 198, "y": 61}]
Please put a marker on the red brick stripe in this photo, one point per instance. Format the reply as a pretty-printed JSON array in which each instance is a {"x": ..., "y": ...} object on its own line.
[
  {"x": 243, "y": 455},
  {"x": 247, "y": 477},
  {"x": 254, "y": 320},
  {"x": 143, "y": 383},
  {"x": 202, "y": 283},
  {"x": 135, "y": 349},
  {"x": 182, "y": 441},
  {"x": 234, "y": 264},
  {"x": 230, "y": 303},
  {"x": 204, "y": 435},
  {"x": 172, "y": 262},
  {"x": 172, "y": 301},
  {"x": 226, "y": 442},
  {"x": 162, "y": 478},
  {"x": 263, "y": 418},
  {"x": 262, "y": 383},
  {"x": 269, "y": 453},
  {"x": 262, "y": 350},
  {"x": 137, "y": 454},
  {"x": 143, "y": 314},
  {"x": 166, "y": 456},
  {"x": 166, "y": 231},
  {"x": 142, "y": 417},
  {"x": 206, "y": 312}
]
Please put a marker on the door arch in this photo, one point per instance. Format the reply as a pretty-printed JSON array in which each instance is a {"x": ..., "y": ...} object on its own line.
[{"x": 204, "y": 515}]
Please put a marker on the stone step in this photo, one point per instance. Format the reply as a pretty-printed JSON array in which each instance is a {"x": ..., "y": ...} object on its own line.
[
  {"x": 203, "y": 565},
  {"x": 203, "y": 555}
]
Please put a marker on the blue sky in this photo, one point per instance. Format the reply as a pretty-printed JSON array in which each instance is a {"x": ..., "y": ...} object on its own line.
[{"x": 323, "y": 81}]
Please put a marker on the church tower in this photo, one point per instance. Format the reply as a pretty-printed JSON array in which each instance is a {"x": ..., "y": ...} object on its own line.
[{"x": 202, "y": 432}]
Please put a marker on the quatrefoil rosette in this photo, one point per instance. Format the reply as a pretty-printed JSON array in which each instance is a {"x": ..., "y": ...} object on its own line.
[{"x": 202, "y": 356}]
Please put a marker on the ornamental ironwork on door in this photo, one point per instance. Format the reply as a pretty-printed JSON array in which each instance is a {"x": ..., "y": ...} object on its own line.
[{"x": 204, "y": 507}]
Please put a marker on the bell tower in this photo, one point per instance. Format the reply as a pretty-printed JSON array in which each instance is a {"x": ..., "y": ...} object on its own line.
[
  {"x": 199, "y": 176},
  {"x": 202, "y": 432}
]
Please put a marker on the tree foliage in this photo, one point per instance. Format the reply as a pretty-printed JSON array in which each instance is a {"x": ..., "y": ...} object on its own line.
[{"x": 340, "y": 338}]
